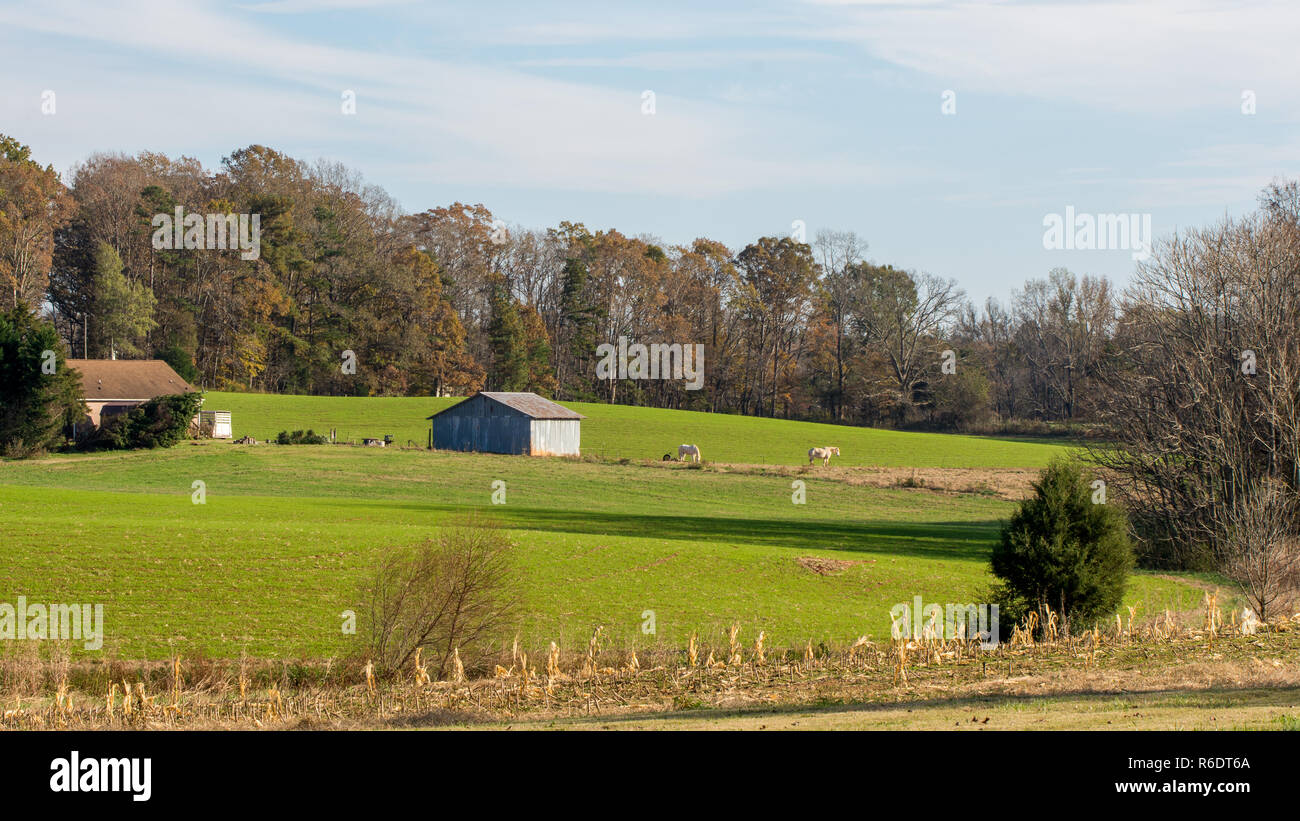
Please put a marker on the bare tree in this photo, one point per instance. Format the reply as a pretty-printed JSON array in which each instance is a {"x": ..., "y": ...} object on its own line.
[
  {"x": 452, "y": 592},
  {"x": 1260, "y": 547},
  {"x": 840, "y": 255},
  {"x": 901, "y": 316},
  {"x": 1204, "y": 401},
  {"x": 1063, "y": 325}
]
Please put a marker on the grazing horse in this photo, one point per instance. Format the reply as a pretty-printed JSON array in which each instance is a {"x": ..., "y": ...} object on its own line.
[
  {"x": 824, "y": 454},
  {"x": 692, "y": 451}
]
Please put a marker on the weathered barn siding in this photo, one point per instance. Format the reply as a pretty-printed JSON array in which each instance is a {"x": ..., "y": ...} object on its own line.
[
  {"x": 507, "y": 423},
  {"x": 478, "y": 424},
  {"x": 556, "y": 437}
]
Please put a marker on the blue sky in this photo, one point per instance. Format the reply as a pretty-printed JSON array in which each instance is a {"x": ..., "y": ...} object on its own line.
[{"x": 765, "y": 113}]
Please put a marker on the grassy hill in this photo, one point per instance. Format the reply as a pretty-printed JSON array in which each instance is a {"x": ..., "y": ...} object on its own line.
[
  {"x": 618, "y": 431},
  {"x": 276, "y": 553}
]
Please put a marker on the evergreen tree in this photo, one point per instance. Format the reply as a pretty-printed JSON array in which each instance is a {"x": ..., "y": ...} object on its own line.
[
  {"x": 579, "y": 319},
  {"x": 506, "y": 337},
  {"x": 541, "y": 374},
  {"x": 123, "y": 309},
  {"x": 1063, "y": 552},
  {"x": 39, "y": 394}
]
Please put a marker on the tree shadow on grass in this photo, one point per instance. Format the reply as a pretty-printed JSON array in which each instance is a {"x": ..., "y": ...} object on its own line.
[{"x": 929, "y": 540}]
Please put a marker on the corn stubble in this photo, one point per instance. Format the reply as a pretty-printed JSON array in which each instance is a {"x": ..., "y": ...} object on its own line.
[{"x": 56, "y": 693}]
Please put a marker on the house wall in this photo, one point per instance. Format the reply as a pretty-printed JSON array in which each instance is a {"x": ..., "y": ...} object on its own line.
[
  {"x": 556, "y": 437},
  {"x": 99, "y": 410}
]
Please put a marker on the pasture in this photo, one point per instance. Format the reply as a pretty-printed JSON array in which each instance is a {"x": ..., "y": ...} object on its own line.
[
  {"x": 622, "y": 432},
  {"x": 286, "y": 534}
]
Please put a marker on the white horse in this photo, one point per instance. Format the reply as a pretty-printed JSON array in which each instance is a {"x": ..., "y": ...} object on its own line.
[
  {"x": 824, "y": 454},
  {"x": 692, "y": 451}
]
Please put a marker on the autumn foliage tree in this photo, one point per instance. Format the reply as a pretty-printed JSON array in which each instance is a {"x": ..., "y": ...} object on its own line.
[{"x": 33, "y": 205}]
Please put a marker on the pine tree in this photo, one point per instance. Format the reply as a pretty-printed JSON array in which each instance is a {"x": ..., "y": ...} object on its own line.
[
  {"x": 124, "y": 309},
  {"x": 35, "y": 404},
  {"x": 541, "y": 375},
  {"x": 578, "y": 321},
  {"x": 1063, "y": 551},
  {"x": 506, "y": 338}
]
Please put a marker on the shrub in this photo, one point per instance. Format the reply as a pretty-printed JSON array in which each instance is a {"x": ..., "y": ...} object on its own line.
[
  {"x": 163, "y": 421},
  {"x": 1259, "y": 547},
  {"x": 1061, "y": 552},
  {"x": 159, "y": 423},
  {"x": 298, "y": 437},
  {"x": 451, "y": 593}
]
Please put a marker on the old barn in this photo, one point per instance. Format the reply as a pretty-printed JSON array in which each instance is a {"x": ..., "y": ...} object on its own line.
[{"x": 497, "y": 422}]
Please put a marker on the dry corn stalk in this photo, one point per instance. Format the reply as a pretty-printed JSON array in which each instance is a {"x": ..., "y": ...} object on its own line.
[
  {"x": 759, "y": 655},
  {"x": 593, "y": 647},
  {"x": 553, "y": 662},
  {"x": 421, "y": 671},
  {"x": 930, "y": 633},
  {"x": 457, "y": 669},
  {"x": 853, "y": 648},
  {"x": 176, "y": 681},
  {"x": 733, "y": 656},
  {"x": 692, "y": 654},
  {"x": 900, "y": 660}
]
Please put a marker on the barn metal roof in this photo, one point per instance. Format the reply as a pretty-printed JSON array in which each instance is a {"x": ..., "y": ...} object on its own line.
[
  {"x": 529, "y": 404},
  {"x": 127, "y": 379}
]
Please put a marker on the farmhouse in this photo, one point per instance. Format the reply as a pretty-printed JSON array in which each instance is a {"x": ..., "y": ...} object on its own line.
[
  {"x": 493, "y": 422},
  {"x": 114, "y": 386}
]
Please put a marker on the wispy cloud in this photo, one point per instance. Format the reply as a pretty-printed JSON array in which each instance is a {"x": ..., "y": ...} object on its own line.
[
  {"x": 1158, "y": 55},
  {"x": 463, "y": 121}
]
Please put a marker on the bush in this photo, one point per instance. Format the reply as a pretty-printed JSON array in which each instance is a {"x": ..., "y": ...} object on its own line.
[
  {"x": 35, "y": 406},
  {"x": 451, "y": 593},
  {"x": 300, "y": 438},
  {"x": 1259, "y": 547},
  {"x": 1062, "y": 552},
  {"x": 159, "y": 423}
]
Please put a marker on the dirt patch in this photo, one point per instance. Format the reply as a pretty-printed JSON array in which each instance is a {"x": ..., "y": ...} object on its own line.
[
  {"x": 825, "y": 567},
  {"x": 1012, "y": 484}
]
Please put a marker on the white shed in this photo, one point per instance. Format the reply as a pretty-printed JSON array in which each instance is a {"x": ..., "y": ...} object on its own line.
[{"x": 220, "y": 422}]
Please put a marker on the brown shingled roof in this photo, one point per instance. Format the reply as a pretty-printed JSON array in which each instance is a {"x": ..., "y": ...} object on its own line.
[
  {"x": 529, "y": 404},
  {"x": 127, "y": 379}
]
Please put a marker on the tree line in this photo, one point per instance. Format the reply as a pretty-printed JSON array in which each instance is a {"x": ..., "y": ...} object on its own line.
[{"x": 450, "y": 300}]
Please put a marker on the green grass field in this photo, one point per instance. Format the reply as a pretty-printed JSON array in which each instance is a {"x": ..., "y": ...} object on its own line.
[
  {"x": 287, "y": 534},
  {"x": 616, "y": 432}
]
